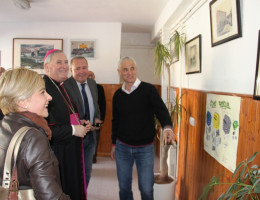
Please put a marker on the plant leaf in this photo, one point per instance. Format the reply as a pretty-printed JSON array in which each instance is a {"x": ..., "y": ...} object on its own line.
[
  {"x": 237, "y": 169},
  {"x": 252, "y": 158},
  {"x": 256, "y": 185},
  {"x": 161, "y": 57},
  {"x": 257, "y": 188}
]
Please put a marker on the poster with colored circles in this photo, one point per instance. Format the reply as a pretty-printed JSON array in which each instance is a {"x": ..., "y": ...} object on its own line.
[{"x": 222, "y": 129}]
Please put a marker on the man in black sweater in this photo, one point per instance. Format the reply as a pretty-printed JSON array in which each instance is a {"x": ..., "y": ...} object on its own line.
[{"x": 133, "y": 130}]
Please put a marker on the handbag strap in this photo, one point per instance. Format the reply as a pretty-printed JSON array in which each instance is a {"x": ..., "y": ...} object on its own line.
[{"x": 14, "y": 144}]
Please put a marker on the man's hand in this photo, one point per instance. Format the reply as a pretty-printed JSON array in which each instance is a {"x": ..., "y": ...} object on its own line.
[
  {"x": 81, "y": 131},
  {"x": 169, "y": 136},
  {"x": 98, "y": 121},
  {"x": 112, "y": 153}
]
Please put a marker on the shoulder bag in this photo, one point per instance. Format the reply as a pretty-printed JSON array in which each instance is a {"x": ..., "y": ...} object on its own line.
[{"x": 10, "y": 186}]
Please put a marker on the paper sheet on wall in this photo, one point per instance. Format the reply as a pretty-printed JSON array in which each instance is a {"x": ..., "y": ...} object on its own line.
[{"x": 222, "y": 129}]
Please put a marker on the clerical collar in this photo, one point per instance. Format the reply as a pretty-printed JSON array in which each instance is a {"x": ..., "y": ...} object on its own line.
[{"x": 55, "y": 82}]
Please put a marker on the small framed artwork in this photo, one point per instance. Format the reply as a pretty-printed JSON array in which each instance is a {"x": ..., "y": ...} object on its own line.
[
  {"x": 30, "y": 52},
  {"x": 174, "y": 55},
  {"x": 225, "y": 21},
  {"x": 85, "y": 48},
  {"x": 257, "y": 72},
  {"x": 193, "y": 55}
]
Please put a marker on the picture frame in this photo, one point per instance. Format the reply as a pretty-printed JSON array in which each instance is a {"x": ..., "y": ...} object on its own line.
[
  {"x": 256, "y": 94},
  {"x": 172, "y": 50},
  {"x": 193, "y": 55},
  {"x": 83, "y": 47},
  {"x": 30, "y": 52},
  {"x": 225, "y": 21}
]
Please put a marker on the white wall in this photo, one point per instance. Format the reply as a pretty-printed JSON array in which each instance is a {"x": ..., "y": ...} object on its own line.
[
  {"x": 107, "y": 36},
  {"x": 229, "y": 67},
  {"x": 139, "y": 46}
]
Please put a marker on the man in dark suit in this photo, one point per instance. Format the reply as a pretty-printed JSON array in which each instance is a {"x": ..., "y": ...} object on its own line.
[
  {"x": 102, "y": 108},
  {"x": 84, "y": 94}
]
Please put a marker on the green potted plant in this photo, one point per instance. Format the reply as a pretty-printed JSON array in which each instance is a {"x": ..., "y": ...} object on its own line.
[
  {"x": 176, "y": 114},
  {"x": 246, "y": 185},
  {"x": 164, "y": 58}
]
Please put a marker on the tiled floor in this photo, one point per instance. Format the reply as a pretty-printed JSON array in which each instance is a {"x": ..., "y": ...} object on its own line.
[{"x": 103, "y": 183}]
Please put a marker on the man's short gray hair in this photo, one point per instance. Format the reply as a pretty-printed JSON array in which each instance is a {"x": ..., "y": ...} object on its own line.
[{"x": 124, "y": 59}]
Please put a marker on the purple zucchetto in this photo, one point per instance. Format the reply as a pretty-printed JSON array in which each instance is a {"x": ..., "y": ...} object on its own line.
[{"x": 49, "y": 52}]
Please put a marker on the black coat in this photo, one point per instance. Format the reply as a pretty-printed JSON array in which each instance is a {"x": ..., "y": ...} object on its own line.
[{"x": 66, "y": 147}]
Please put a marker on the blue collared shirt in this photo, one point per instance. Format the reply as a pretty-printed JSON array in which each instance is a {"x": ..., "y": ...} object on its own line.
[{"x": 90, "y": 100}]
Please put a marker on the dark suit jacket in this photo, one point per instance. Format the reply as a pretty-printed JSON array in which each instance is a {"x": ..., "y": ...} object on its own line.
[
  {"x": 74, "y": 92},
  {"x": 101, "y": 101}
]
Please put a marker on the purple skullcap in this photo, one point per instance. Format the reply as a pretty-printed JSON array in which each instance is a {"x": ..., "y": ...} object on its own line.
[{"x": 49, "y": 52}]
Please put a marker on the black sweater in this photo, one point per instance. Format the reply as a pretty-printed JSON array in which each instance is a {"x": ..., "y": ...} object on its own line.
[{"x": 133, "y": 115}]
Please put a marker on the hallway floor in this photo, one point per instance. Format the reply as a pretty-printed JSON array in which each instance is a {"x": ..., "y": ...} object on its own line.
[{"x": 103, "y": 184}]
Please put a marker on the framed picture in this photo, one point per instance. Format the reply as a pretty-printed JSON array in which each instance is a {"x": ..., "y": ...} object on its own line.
[
  {"x": 85, "y": 48},
  {"x": 193, "y": 55},
  {"x": 172, "y": 50},
  {"x": 30, "y": 52},
  {"x": 257, "y": 72},
  {"x": 225, "y": 21}
]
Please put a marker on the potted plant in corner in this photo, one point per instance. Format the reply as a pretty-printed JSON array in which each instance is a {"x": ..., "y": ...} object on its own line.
[
  {"x": 164, "y": 57},
  {"x": 245, "y": 186}
]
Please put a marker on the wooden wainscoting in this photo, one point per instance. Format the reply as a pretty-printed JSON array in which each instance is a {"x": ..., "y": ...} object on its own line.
[
  {"x": 196, "y": 166},
  {"x": 104, "y": 146}
]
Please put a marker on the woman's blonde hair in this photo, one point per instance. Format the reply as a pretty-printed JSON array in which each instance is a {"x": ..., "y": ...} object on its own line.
[{"x": 17, "y": 85}]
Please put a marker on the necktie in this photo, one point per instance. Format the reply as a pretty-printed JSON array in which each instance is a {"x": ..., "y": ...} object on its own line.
[{"x": 85, "y": 99}]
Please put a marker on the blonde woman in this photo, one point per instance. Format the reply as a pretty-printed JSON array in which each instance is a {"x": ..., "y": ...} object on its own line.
[{"x": 24, "y": 102}]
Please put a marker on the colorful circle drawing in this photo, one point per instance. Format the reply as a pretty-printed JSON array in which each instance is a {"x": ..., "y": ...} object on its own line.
[
  {"x": 216, "y": 121},
  {"x": 209, "y": 118},
  {"x": 226, "y": 124}
]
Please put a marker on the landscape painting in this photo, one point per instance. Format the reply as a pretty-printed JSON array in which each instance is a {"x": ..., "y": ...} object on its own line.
[{"x": 30, "y": 52}]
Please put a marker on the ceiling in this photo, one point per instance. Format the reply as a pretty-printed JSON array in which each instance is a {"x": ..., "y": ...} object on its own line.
[{"x": 135, "y": 15}]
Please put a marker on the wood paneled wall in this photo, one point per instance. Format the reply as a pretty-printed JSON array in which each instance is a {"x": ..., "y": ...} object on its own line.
[
  {"x": 196, "y": 166},
  {"x": 104, "y": 146}
]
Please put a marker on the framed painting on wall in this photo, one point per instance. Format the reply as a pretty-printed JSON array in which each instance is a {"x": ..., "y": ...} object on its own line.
[
  {"x": 257, "y": 72},
  {"x": 30, "y": 52},
  {"x": 225, "y": 21},
  {"x": 85, "y": 48},
  {"x": 193, "y": 55},
  {"x": 174, "y": 55}
]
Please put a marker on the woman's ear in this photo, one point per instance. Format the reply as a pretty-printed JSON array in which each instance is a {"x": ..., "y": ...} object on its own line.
[{"x": 23, "y": 104}]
